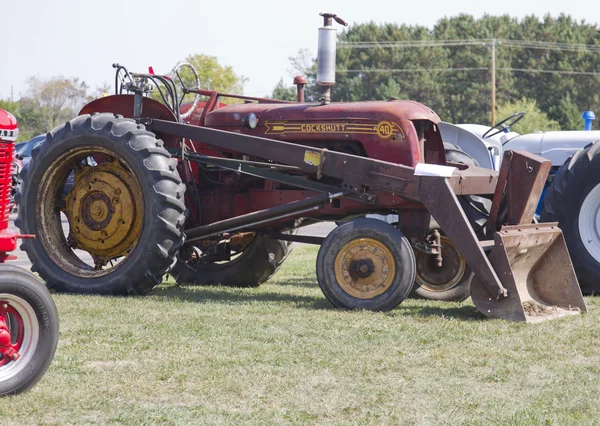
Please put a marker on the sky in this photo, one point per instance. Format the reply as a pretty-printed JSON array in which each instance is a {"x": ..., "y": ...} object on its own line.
[{"x": 79, "y": 38}]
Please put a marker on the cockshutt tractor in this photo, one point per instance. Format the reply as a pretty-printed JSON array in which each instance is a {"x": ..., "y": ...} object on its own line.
[{"x": 213, "y": 194}]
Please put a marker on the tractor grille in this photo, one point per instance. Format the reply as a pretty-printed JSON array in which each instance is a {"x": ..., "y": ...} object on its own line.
[{"x": 6, "y": 159}]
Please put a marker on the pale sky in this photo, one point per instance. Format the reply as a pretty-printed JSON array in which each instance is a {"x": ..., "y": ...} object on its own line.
[{"x": 83, "y": 39}]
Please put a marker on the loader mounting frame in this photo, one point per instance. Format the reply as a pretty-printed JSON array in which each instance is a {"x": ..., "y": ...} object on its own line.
[{"x": 360, "y": 179}]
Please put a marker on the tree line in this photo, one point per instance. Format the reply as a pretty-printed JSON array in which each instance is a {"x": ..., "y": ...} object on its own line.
[
  {"x": 47, "y": 103},
  {"x": 447, "y": 67},
  {"x": 541, "y": 67}
]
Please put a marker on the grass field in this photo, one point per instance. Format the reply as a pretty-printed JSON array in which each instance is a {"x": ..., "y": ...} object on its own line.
[{"x": 281, "y": 354}]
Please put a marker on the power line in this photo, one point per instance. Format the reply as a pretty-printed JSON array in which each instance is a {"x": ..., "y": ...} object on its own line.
[
  {"x": 412, "y": 70},
  {"x": 526, "y": 44},
  {"x": 550, "y": 71},
  {"x": 400, "y": 70}
]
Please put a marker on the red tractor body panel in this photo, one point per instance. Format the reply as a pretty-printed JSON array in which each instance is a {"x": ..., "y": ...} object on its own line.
[
  {"x": 402, "y": 132},
  {"x": 383, "y": 129}
]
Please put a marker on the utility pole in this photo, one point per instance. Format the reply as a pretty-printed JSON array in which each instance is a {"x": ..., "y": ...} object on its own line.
[
  {"x": 12, "y": 99},
  {"x": 493, "y": 78}
]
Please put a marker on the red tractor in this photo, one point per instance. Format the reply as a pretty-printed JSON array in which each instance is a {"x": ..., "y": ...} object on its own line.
[
  {"x": 28, "y": 316},
  {"x": 214, "y": 194}
]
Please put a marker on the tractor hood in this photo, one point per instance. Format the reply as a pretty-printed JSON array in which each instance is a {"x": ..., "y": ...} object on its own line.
[
  {"x": 393, "y": 111},
  {"x": 382, "y": 130},
  {"x": 555, "y": 146}
]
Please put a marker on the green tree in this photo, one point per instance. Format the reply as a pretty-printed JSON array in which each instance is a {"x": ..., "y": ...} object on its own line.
[
  {"x": 454, "y": 80},
  {"x": 28, "y": 118},
  {"x": 50, "y": 102},
  {"x": 303, "y": 64},
  {"x": 283, "y": 92},
  {"x": 567, "y": 114},
  {"x": 211, "y": 75},
  {"x": 534, "y": 120}
]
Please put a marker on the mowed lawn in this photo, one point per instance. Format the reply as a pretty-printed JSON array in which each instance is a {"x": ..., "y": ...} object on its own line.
[{"x": 281, "y": 354}]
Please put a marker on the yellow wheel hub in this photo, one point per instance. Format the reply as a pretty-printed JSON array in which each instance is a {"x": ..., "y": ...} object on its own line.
[
  {"x": 104, "y": 209},
  {"x": 364, "y": 268}
]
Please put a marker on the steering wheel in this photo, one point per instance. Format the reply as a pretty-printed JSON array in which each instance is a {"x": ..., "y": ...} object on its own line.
[
  {"x": 503, "y": 126},
  {"x": 175, "y": 73}
]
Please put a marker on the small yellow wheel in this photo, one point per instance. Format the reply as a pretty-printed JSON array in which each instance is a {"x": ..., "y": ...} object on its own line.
[{"x": 366, "y": 264}]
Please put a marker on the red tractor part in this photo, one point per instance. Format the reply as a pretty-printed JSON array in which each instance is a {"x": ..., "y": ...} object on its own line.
[{"x": 28, "y": 316}]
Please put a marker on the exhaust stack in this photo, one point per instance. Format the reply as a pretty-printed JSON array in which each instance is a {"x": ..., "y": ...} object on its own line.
[{"x": 326, "y": 55}]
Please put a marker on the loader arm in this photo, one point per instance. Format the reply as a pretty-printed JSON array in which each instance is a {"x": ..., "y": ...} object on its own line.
[{"x": 360, "y": 174}]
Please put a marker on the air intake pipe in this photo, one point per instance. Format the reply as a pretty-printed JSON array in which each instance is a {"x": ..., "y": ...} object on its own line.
[{"x": 326, "y": 55}]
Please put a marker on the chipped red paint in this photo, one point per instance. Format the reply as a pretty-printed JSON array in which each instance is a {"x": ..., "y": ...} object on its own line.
[{"x": 383, "y": 130}]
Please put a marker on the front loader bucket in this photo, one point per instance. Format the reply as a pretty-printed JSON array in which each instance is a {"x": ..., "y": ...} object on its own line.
[{"x": 533, "y": 264}]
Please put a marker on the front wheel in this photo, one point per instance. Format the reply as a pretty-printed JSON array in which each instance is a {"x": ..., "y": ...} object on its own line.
[
  {"x": 28, "y": 330},
  {"x": 366, "y": 264}
]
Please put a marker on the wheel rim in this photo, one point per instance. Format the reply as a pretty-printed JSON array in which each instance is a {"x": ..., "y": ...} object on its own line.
[
  {"x": 365, "y": 268},
  {"x": 103, "y": 210},
  {"x": 435, "y": 279},
  {"x": 23, "y": 325},
  {"x": 589, "y": 223}
]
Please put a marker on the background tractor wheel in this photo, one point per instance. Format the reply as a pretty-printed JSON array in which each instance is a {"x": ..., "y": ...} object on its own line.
[
  {"x": 366, "y": 264},
  {"x": 124, "y": 213},
  {"x": 254, "y": 265},
  {"x": 573, "y": 200},
  {"x": 451, "y": 282},
  {"x": 32, "y": 321}
]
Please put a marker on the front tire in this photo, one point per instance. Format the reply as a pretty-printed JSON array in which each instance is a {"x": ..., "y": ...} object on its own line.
[
  {"x": 127, "y": 208},
  {"x": 573, "y": 200},
  {"x": 32, "y": 320},
  {"x": 366, "y": 264}
]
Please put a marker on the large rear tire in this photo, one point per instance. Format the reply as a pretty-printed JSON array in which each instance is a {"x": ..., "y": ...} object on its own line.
[
  {"x": 254, "y": 266},
  {"x": 128, "y": 208},
  {"x": 573, "y": 200}
]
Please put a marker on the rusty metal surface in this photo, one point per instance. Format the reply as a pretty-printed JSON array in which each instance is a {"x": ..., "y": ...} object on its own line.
[
  {"x": 533, "y": 264},
  {"x": 474, "y": 180},
  {"x": 354, "y": 171},
  {"x": 103, "y": 209},
  {"x": 520, "y": 182},
  {"x": 439, "y": 198},
  {"x": 383, "y": 129},
  {"x": 258, "y": 216}
]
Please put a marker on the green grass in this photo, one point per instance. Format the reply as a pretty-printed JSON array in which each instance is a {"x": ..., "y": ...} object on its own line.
[{"x": 281, "y": 354}]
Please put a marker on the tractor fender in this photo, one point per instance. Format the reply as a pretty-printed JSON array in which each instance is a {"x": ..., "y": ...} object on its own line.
[
  {"x": 123, "y": 105},
  {"x": 468, "y": 142}
]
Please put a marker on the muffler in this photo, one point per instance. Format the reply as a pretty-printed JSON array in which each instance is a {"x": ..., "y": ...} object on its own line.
[{"x": 533, "y": 264}]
